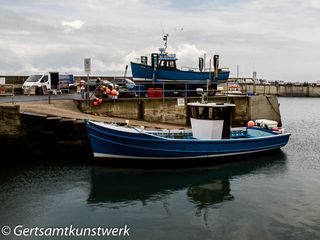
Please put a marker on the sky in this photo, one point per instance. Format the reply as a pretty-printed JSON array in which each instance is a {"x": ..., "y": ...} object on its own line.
[{"x": 279, "y": 39}]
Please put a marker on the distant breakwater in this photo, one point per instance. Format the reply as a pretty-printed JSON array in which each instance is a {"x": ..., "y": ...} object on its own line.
[{"x": 283, "y": 90}]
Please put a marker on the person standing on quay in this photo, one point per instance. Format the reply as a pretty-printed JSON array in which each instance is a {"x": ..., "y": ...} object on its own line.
[{"x": 82, "y": 88}]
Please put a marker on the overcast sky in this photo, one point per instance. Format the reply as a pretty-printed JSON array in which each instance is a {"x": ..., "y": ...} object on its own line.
[{"x": 280, "y": 39}]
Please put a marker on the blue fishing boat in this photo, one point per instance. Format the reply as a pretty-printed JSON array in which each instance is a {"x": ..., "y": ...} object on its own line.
[
  {"x": 211, "y": 137},
  {"x": 163, "y": 70}
]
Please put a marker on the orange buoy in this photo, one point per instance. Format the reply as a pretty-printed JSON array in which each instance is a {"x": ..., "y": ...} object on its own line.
[
  {"x": 250, "y": 124},
  {"x": 114, "y": 92},
  {"x": 108, "y": 91}
]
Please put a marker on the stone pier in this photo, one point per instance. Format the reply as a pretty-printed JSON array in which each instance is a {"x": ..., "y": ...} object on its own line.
[{"x": 167, "y": 110}]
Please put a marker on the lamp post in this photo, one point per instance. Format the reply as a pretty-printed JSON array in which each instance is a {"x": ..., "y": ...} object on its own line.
[{"x": 87, "y": 70}]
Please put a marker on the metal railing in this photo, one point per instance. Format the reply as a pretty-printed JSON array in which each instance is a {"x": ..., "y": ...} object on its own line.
[{"x": 195, "y": 69}]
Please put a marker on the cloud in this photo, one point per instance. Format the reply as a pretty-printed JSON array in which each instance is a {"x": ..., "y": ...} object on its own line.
[
  {"x": 73, "y": 25},
  {"x": 277, "y": 38}
]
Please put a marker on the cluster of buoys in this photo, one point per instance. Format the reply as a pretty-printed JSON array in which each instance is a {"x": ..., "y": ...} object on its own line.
[
  {"x": 104, "y": 90},
  {"x": 97, "y": 101}
]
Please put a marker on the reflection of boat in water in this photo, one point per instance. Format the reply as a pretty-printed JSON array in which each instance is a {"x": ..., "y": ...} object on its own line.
[
  {"x": 210, "y": 193},
  {"x": 204, "y": 187}
]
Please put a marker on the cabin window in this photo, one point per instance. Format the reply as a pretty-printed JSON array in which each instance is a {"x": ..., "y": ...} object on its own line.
[
  {"x": 218, "y": 113},
  {"x": 207, "y": 113},
  {"x": 172, "y": 64},
  {"x": 194, "y": 112},
  {"x": 203, "y": 113},
  {"x": 210, "y": 113},
  {"x": 167, "y": 64}
]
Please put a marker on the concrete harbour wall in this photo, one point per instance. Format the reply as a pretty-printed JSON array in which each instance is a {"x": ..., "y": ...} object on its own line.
[
  {"x": 10, "y": 121},
  {"x": 168, "y": 111}
]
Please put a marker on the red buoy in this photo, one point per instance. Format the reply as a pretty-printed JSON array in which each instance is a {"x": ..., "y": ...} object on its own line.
[
  {"x": 95, "y": 103},
  {"x": 100, "y": 100},
  {"x": 250, "y": 124},
  {"x": 114, "y": 92},
  {"x": 108, "y": 91}
]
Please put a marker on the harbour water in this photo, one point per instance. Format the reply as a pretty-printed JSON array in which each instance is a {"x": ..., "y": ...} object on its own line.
[{"x": 270, "y": 197}]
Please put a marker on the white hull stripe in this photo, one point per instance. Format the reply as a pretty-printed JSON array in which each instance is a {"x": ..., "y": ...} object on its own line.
[{"x": 104, "y": 155}]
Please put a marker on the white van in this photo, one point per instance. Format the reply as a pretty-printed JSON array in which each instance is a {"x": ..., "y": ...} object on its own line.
[{"x": 50, "y": 81}]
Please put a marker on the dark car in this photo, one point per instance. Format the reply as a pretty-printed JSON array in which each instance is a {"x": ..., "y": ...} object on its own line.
[
  {"x": 124, "y": 82},
  {"x": 125, "y": 92},
  {"x": 93, "y": 84}
]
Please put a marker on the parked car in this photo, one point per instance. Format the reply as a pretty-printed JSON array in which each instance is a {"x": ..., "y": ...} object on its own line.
[
  {"x": 124, "y": 82},
  {"x": 127, "y": 88},
  {"x": 93, "y": 84},
  {"x": 264, "y": 82},
  {"x": 249, "y": 81},
  {"x": 125, "y": 92}
]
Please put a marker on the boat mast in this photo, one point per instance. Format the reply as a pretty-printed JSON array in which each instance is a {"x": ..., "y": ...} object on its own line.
[
  {"x": 209, "y": 80},
  {"x": 165, "y": 39}
]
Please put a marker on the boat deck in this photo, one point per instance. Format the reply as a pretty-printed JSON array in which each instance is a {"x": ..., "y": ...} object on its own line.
[{"x": 187, "y": 134}]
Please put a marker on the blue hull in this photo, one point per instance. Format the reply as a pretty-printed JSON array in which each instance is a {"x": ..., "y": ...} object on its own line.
[
  {"x": 145, "y": 72},
  {"x": 110, "y": 144}
]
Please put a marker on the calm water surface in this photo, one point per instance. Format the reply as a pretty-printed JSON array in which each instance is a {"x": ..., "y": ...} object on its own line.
[{"x": 271, "y": 197}]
